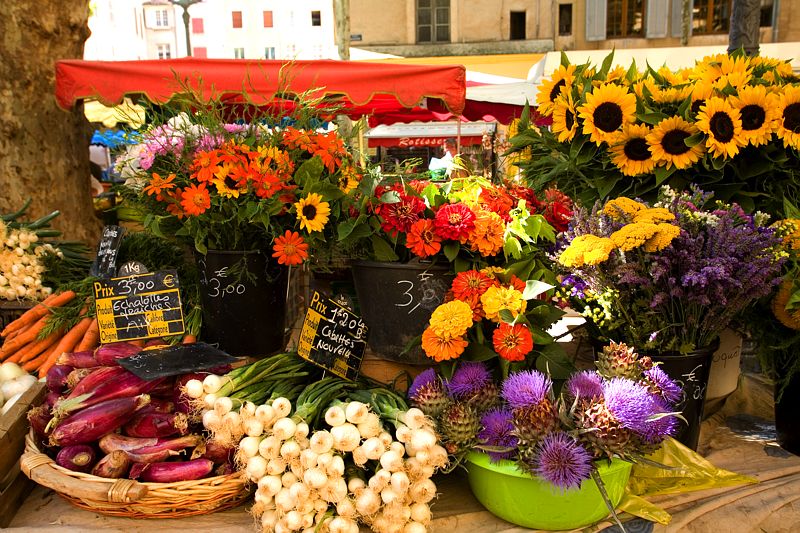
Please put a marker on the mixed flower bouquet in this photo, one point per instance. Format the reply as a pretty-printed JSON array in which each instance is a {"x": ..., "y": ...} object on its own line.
[
  {"x": 255, "y": 185},
  {"x": 669, "y": 277},
  {"x": 730, "y": 124},
  {"x": 469, "y": 221},
  {"x": 623, "y": 409},
  {"x": 493, "y": 313}
]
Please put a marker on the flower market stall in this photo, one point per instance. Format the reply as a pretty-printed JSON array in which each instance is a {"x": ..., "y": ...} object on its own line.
[{"x": 173, "y": 392}]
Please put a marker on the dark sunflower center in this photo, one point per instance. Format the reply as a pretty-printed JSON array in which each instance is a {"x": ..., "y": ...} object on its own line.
[
  {"x": 608, "y": 117},
  {"x": 752, "y": 117},
  {"x": 637, "y": 150},
  {"x": 673, "y": 144},
  {"x": 230, "y": 182},
  {"x": 556, "y": 90},
  {"x": 569, "y": 119},
  {"x": 791, "y": 118},
  {"x": 696, "y": 106},
  {"x": 721, "y": 126},
  {"x": 310, "y": 212}
]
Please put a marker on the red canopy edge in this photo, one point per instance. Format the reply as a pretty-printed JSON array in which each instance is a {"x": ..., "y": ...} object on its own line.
[{"x": 357, "y": 82}]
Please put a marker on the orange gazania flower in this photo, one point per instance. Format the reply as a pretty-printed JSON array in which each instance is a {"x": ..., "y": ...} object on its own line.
[
  {"x": 471, "y": 283},
  {"x": 513, "y": 343},
  {"x": 205, "y": 165},
  {"x": 421, "y": 239},
  {"x": 441, "y": 349},
  {"x": 158, "y": 184},
  {"x": 290, "y": 248},
  {"x": 195, "y": 199}
]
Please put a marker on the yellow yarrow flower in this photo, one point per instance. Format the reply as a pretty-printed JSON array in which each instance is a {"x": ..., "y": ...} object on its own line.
[
  {"x": 586, "y": 250},
  {"x": 621, "y": 207},
  {"x": 653, "y": 215},
  {"x": 496, "y": 299},
  {"x": 633, "y": 236},
  {"x": 451, "y": 319},
  {"x": 788, "y": 317},
  {"x": 661, "y": 238},
  {"x": 789, "y": 229}
]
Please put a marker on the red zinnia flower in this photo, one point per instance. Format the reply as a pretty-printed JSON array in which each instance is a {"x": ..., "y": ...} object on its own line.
[
  {"x": 454, "y": 221},
  {"x": 195, "y": 199},
  {"x": 290, "y": 248},
  {"x": 421, "y": 239},
  {"x": 557, "y": 209},
  {"x": 471, "y": 283},
  {"x": 400, "y": 216},
  {"x": 512, "y": 342}
]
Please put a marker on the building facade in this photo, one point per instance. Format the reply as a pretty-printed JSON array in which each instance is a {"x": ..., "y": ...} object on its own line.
[{"x": 467, "y": 27}]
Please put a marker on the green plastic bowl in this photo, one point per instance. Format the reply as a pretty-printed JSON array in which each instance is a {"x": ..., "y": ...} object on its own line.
[{"x": 533, "y": 503}]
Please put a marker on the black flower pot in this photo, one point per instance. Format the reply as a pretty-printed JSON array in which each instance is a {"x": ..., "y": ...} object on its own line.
[
  {"x": 787, "y": 422},
  {"x": 243, "y": 313}
]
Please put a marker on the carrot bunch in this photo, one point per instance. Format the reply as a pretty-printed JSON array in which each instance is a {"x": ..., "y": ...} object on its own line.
[{"x": 24, "y": 346}]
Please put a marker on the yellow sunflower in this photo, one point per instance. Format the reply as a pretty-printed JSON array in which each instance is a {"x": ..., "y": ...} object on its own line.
[
  {"x": 700, "y": 93},
  {"x": 788, "y": 317},
  {"x": 226, "y": 186},
  {"x": 672, "y": 95},
  {"x": 788, "y": 123},
  {"x": 562, "y": 78},
  {"x": 565, "y": 123},
  {"x": 617, "y": 75},
  {"x": 607, "y": 108},
  {"x": 668, "y": 146},
  {"x": 674, "y": 78},
  {"x": 630, "y": 151},
  {"x": 646, "y": 83},
  {"x": 723, "y": 125},
  {"x": 759, "y": 111},
  {"x": 312, "y": 212}
]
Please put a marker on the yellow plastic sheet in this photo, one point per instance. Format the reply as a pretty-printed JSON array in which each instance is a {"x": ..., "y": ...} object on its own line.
[{"x": 688, "y": 471}]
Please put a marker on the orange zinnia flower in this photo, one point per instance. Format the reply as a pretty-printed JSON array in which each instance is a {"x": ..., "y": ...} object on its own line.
[
  {"x": 441, "y": 349},
  {"x": 290, "y": 248},
  {"x": 294, "y": 138},
  {"x": 488, "y": 235},
  {"x": 195, "y": 200},
  {"x": 421, "y": 239},
  {"x": 471, "y": 283},
  {"x": 158, "y": 184},
  {"x": 512, "y": 342},
  {"x": 205, "y": 165}
]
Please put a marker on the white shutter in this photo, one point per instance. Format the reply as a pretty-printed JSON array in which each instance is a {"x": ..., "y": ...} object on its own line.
[
  {"x": 676, "y": 17},
  {"x": 595, "y": 20},
  {"x": 657, "y": 18}
]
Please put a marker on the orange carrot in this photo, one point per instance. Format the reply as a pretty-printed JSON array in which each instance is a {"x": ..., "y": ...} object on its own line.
[
  {"x": 38, "y": 311},
  {"x": 91, "y": 339},
  {"x": 38, "y": 361},
  {"x": 67, "y": 344},
  {"x": 37, "y": 348},
  {"x": 189, "y": 338},
  {"x": 23, "y": 339},
  {"x": 17, "y": 332}
]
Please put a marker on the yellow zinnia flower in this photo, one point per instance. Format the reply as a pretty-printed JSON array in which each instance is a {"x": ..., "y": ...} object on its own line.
[
  {"x": 312, "y": 212},
  {"x": 723, "y": 125},
  {"x": 622, "y": 207},
  {"x": 668, "y": 146},
  {"x": 607, "y": 108},
  {"x": 630, "y": 151},
  {"x": 586, "y": 250},
  {"x": 451, "y": 319},
  {"x": 496, "y": 299},
  {"x": 788, "y": 123}
]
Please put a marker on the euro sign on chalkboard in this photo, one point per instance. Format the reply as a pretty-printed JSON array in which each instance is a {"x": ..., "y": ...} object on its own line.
[
  {"x": 140, "y": 306},
  {"x": 333, "y": 337},
  {"x": 105, "y": 262}
]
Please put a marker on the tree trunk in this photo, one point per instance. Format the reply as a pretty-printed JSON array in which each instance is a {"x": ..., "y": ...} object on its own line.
[{"x": 44, "y": 151}]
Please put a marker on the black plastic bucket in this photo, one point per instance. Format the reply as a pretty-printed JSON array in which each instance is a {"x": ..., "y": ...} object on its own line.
[
  {"x": 787, "y": 421},
  {"x": 690, "y": 371},
  {"x": 396, "y": 301},
  {"x": 244, "y": 313}
]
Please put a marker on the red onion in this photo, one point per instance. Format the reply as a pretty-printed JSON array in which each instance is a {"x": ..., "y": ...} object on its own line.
[
  {"x": 78, "y": 359},
  {"x": 156, "y": 425},
  {"x": 93, "y": 422},
  {"x": 109, "y": 353},
  {"x": 79, "y": 457},
  {"x": 172, "y": 472},
  {"x": 114, "y": 465},
  {"x": 57, "y": 378}
]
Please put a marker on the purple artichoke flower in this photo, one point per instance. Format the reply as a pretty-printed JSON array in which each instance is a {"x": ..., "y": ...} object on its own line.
[
  {"x": 526, "y": 389},
  {"x": 425, "y": 380},
  {"x": 585, "y": 384},
  {"x": 469, "y": 378},
  {"x": 664, "y": 385},
  {"x": 498, "y": 430},
  {"x": 659, "y": 428},
  {"x": 427, "y": 393},
  {"x": 630, "y": 403},
  {"x": 562, "y": 461}
]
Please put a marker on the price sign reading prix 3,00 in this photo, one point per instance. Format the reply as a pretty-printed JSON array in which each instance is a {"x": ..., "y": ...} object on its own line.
[
  {"x": 139, "y": 307},
  {"x": 333, "y": 337}
]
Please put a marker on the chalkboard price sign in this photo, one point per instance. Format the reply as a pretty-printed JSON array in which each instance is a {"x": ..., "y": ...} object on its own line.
[
  {"x": 139, "y": 306},
  {"x": 333, "y": 337},
  {"x": 105, "y": 263}
]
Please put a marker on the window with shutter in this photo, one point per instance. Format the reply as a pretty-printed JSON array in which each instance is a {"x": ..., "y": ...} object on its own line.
[
  {"x": 625, "y": 18},
  {"x": 267, "y": 19},
  {"x": 236, "y": 19},
  {"x": 197, "y": 25},
  {"x": 595, "y": 20},
  {"x": 711, "y": 16},
  {"x": 657, "y": 18},
  {"x": 676, "y": 18},
  {"x": 433, "y": 21}
]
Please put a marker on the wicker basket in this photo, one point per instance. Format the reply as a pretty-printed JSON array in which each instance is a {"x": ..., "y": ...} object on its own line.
[
  {"x": 10, "y": 311},
  {"x": 128, "y": 498}
]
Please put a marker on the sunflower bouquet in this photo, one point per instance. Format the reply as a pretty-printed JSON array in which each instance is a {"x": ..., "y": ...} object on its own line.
[
  {"x": 623, "y": 409},
  {"x": 672, "y": 276},
  {"x": 262, "y": 184},
  {"x": 468, "y": 222},
  {"x": 730, "y": 125}
]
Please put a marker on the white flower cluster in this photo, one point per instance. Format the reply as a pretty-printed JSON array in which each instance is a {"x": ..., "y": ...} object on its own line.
[{"x": 21, "y": 264}]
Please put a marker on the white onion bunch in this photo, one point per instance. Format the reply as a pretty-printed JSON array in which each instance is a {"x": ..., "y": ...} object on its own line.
[{"x": 21, "y": 264}]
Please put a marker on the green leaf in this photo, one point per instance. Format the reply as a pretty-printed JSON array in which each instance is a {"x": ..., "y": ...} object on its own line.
[
  {"x": 540, "y": 336},
  {"x": 564, "y": 59},
  {"x": 790, "y": 210},
  {"x": 534, "y": 288},
  {"x": 451, "y": 251},
  {"x": 346, "y": 228},
  {"x": 390, "y": 197},
  {"x": 651, "y": 118},
  {"x": 429, "y": 194},
  {"x": 382, "y": 250},
  {"x": 512, "y": 248},
  {"x": 507, "y": 316},
  {"x": 606, "y": 67},
  {"x": 694, "y": 140},
  {"x": 478, "y": 352},
  {"x": 553, "y": 360},
  {"x": 461, "y": 265},
  {"x": 308, "y": 173},
  {"x": 662, "y": 173}
]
